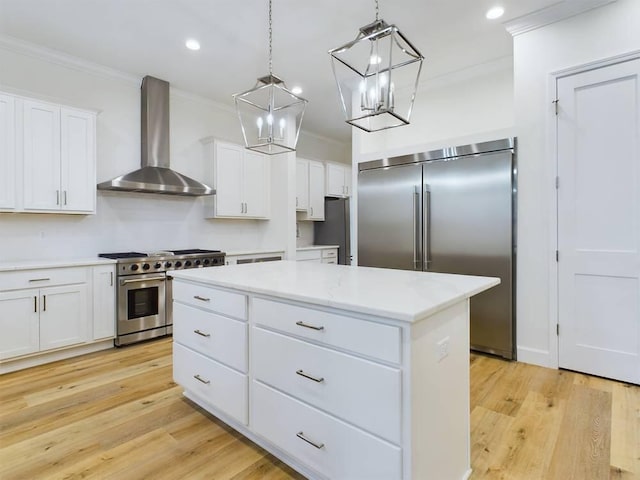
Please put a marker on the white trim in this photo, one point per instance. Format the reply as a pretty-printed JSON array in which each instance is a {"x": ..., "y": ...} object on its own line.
[
  {"x": 551, "y": 14},
  {"x": 534, "y": 356},
  {"x": 22, "y": 47},
  {"x": 552, "y": 168}
]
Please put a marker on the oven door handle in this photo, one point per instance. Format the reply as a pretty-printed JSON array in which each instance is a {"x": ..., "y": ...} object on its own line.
[{"x": 139, "y": 280}]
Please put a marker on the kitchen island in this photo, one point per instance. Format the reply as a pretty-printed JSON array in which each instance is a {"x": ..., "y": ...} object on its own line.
[{"x": 342, "y": 372}]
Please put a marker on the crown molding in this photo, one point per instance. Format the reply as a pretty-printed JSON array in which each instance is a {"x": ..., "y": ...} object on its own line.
[{"x": 551, "y": 14}]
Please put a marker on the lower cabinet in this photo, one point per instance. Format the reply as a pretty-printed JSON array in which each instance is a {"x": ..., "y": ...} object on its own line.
[
  {"x": 71, "y": 307},
  {"x": 330, "y": 400},
  {"x": 318, "y": 255}
]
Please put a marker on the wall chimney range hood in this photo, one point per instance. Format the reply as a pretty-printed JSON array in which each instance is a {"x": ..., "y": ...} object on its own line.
[{"x": 155, "y": 176}]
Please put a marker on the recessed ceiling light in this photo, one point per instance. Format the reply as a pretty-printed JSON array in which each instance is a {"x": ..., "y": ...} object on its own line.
[
  {"x": 192, "y": 44},
  {"x": 495, "y": 12},
  {"x": 296, "y": 90}
]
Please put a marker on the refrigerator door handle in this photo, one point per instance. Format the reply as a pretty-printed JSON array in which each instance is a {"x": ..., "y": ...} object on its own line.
[
  {"x": 417, "y": 254},
  {"x": 426, "y": 217}
]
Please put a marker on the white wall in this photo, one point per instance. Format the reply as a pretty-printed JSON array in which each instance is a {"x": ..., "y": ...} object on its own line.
[
  {"x": 598, "y": 34},
  {"x": 126, "y": 221}
]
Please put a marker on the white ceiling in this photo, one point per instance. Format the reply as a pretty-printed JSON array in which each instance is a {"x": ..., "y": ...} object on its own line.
[{"x": 143, "y": 37}]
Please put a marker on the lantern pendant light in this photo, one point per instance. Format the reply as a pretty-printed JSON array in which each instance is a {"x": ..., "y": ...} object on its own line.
[
  {"x": 377, "y": 76},
  {"x": 270, "y": 114}
]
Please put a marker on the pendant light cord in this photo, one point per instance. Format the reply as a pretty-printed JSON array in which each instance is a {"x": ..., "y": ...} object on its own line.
[
  {"x": 377, "y": 10},
  {"x": 270, "y": 42}
]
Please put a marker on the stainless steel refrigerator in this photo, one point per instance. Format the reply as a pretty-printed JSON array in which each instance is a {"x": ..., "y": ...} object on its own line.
[
  {"x": 335, "y": 229},
  {"x": 451, "y": 211}
]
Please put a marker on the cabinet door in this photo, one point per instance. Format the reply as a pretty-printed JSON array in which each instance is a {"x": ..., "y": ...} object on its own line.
[
  {"x": 347, "y": 181},
  {"x": 302, "y": 184},
  {"x": 7, "y": 153},
  {"x": 335, "y": 180},
  {"x": 104, "y": 302},
  {"x": 316, "y": 191},
  {"x": 41, "y": 156},
  {"x": 19, "y": 323},
  {"x": 78, "y": 160},
  {"x": 63, "y": 316},
  {"x": 256, "y": 184},
  {"x": 228, "y": 180}
]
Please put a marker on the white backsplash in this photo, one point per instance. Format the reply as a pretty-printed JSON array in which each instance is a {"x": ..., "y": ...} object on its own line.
[{"x": 304, "y": 234}]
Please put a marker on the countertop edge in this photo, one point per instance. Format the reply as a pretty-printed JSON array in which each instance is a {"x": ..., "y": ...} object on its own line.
[{"x": 58, "y": 263}]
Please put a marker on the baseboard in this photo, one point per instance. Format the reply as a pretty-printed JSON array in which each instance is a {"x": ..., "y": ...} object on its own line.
[{"x": 534, "y": 356}]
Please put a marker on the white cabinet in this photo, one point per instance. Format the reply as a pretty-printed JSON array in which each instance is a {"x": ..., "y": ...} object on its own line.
[
  {"x": 338, "y": 180},
  {"x": 53, "y": 309},
  {"x": 59, "y": 158},
  {"x": 254, "y": 257},
  {"x": 7, "y": 153},
  {"x": 63, "y": 316},
  {"x": 317, "y": 255},
  {"x": 19, "y": 321},
  {"x": 313, "y": 195},
  {"x": 210, "y": 350},
  {"x": 241, "y": 179},
  {"x": 302, "y": 184},
  {"x": 104, "y": 302}
]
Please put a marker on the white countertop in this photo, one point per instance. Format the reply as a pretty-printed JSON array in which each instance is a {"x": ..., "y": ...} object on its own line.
[
  {"x": 397, "y": 294},
  {"x": 317, "y": 247},
  {"x": 53, "y": 263}
]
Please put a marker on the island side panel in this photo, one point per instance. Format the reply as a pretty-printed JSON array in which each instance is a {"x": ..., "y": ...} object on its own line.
[{"x": 439, "y": 397}]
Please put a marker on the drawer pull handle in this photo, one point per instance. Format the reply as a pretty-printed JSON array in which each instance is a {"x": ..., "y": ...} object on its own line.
[
  {"x": 202, "y": 334},
  {"x": 200, "y": 379},
  {"x": 306, "y": 325},
  {"x": 198, "y": 297},
  {"x": 39, "y": 280},
  {"x": 310, "y": 377},
  {"x": 301, "y": 436}
]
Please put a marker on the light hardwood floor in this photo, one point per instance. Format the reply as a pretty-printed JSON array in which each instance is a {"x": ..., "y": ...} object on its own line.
[{"x": 117, "y": 414}]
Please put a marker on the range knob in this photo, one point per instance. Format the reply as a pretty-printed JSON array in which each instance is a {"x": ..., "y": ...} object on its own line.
[
  {"x": 178, "y": 264},
  {"x": 207, "y": 261},
  {"x": 198, "y": 262},
  {"x": 216, "y": 261},
  {"x": 146, "y": 266},
  {"x": 187, "y": 263},
  {"x": 168, "y": 264},
  {"x": 134, "y": 267},
  {"x": 158, "y": 265}
]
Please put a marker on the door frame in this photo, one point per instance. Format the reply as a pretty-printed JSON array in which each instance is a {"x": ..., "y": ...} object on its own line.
[{"x": 552, "y": 169}]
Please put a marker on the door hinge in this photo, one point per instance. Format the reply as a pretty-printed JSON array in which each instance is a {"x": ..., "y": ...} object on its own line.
[
  {"x": 558, "y": 329},
  {"x": 555, "y": 105},
  {"x": 557, "y": 256}
]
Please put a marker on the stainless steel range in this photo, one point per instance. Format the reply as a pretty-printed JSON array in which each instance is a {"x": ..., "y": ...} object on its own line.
[{"x": 144, "y": 293}]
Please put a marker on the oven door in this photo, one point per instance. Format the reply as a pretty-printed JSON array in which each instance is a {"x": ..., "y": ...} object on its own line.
[{"x": 141, "y": 302}]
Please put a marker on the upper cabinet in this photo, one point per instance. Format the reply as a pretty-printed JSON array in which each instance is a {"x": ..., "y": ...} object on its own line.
[
  {"x": 310, "y": 190},
  {"x": 59, "y": 159},
  {"x": 54, "y": 170},
  {"x": 338, "y": 180},
  {"x": 7, "y": 153},
  {"x": 241, "y": 179}
]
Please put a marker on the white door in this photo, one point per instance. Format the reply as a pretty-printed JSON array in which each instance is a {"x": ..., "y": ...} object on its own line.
[
  {"x": 316, "y": 191},
  {"x": 63, "y": 316},
  {"x": 78, "y": 177},
  {"x": 256, "y": 184},
  {"x": 599, "y": 221},
  {"x": 41, "y": 156},
  {"x": 335, "y": 180},
  {"x": 302, "y": 184},
  {"x": 7, "y": 152},
  {"x": 19, "y": 323},
  {"x": 228, "y": 180},
  {"x": 104, "y": 302}
]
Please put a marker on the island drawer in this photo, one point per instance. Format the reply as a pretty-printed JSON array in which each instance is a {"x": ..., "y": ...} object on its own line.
[
  {"x": 219, "y": 386},
  {"x": 372, "y": 339},
  {"x": 320, "y": 441},
  {"x": 212, "y": 299},
  {"x": 210, "y": 334},
  {"x": 366, "y": 393},
  {"x": 46, "y": 277}
]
